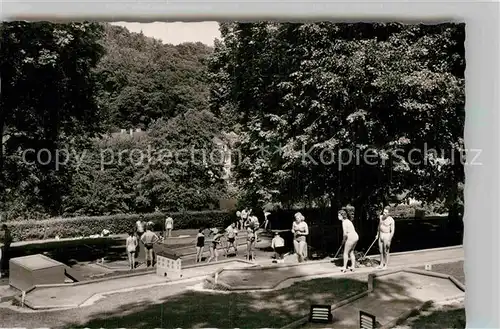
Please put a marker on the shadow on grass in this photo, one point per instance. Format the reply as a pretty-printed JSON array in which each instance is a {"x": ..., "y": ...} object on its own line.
[
  {"x": 193, "y": 309},
  {"x": 438, "y": 319},
  {"x": 273, "y": 309},
  {"x": 208, "y": 309}
]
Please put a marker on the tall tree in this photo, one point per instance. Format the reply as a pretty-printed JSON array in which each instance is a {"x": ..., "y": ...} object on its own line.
[
  {"x": 47, "y": 102},
  {"x": 320, "y": 91},
  {"x": 144, "y": 79}
]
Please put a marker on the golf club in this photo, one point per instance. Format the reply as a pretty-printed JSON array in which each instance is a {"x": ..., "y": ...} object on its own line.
[
  {"x": 336, "y": 254},
  {"x": 366, "y": 253}
]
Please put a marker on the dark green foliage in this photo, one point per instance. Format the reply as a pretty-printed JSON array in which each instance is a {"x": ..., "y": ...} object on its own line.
[
  {"x": 281, "y": 89},
  {"x": 376, "y": 92},
  {"x": 68, "y": 84},
  {"x": 48, "y": 102},
  {"x": 143, "y": 80},
  {"x": 116, "y": 224}
]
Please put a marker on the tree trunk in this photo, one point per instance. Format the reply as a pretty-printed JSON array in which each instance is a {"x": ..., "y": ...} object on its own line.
[
  {"x": 2, "y": 162},
  {"x": 360, "y": 215}
]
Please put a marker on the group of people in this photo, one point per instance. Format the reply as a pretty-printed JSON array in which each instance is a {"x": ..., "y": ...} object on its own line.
[
  {"x": 300, "y": 230},
  {"x": 385, "y": 233},
  {"x": 249, "y": 223},
  {"x": 144, "y": 233},
  {"x": 246, "y": 222}
]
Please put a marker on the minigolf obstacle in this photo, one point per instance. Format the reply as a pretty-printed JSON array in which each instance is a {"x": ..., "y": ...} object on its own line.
[
  {"x": 367, "y": 321},
  {"x": 28, "y": 271},
  {"x": 320, "y": 314},
  {"x": 168, "y": 264}
]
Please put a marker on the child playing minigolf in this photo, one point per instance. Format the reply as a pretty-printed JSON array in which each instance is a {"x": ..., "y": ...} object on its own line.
[{"x": 278, "y": 245}]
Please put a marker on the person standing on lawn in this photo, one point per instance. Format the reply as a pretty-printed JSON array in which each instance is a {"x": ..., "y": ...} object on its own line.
[
  {"x": 2, "y": 243},
  {"x": 169, "y": 226},
  {"x": 266, "y": 220},
  {"x": 300, "y": 231},
  {"x": 149, "y": 238},
  {"x": 200, "y": 245},
  {"x": 139, "y": 230},
  {"x": 232, "y": 232},
  {"x": 349, "y": 241},
  {"x": 213, "y": 247},
  {"x": 250, "y": 243},
  {"x": 244, "y": 216},
  {"x": 6, "y": 240},
  {"x": 239, "y": 221},
  {"x": 253, "y": 222},
  {"x": 131, "y": 245},
  {"x": 139, "y": 226},
  {"x": 278, "y": 245},
  {"x": 385, "y": 233}
]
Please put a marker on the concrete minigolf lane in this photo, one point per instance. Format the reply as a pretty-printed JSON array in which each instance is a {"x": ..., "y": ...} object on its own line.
[{"x": 392, "y": 297}]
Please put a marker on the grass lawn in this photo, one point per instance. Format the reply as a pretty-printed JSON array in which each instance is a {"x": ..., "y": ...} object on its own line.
[
  {"x": 455, "y": 269},
  {"x": 450, "y": 315},
  {"x": 438, "y": 317},
  {"x": 194, "y": 309}
]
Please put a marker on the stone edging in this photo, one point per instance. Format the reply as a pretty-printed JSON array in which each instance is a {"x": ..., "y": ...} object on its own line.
[
  {"x": 60, "y": 285},
  {"x": 300, "y": 322},
  {"x": 304, "y": 277},
  {"x": 370, "y": 288},
  {"x": 101, "y": 294}
]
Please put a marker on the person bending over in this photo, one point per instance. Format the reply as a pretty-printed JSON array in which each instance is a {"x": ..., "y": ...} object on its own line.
[
  {"x": 278, "y": 245},
  {"x": 350, "y": 240}
]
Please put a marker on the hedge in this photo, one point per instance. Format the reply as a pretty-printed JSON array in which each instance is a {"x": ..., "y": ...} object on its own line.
[
  {"x": 116, "y": 224},
  {"x": 123, "y": 223}
]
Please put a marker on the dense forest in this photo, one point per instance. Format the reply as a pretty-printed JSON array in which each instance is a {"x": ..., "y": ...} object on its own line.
[
  {"x": 266, "y": 90},
  {"x": 73, "y": 88}
]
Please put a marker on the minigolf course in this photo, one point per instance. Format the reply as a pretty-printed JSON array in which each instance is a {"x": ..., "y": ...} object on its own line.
[
  {"x": 240, "y": 275},
  {"x": 282, "y": 275},
  {"x": 72, "y": 295},
  {"x": 391, "y": 297}
]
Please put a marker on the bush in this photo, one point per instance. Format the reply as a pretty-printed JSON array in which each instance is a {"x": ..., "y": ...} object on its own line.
[
  {"x": 116, "y": 224},
  {"x": 408, "y": 212}
]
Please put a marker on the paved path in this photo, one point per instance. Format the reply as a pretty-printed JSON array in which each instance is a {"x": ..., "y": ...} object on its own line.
[
  {"x": 393, "y": 296},
  {"x": 188, "y": 254},
  {"x": 271, "y": 276},
  {"x": 75, "y": 295}
]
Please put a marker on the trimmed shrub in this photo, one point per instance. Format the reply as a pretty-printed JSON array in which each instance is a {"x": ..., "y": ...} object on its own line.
[{"x": 116, "y": 224}]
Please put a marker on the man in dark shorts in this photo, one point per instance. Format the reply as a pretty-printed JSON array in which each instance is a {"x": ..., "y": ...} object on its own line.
[
  {"x": 149, "y": 238},
  {"x": 232, "y": 232}
]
